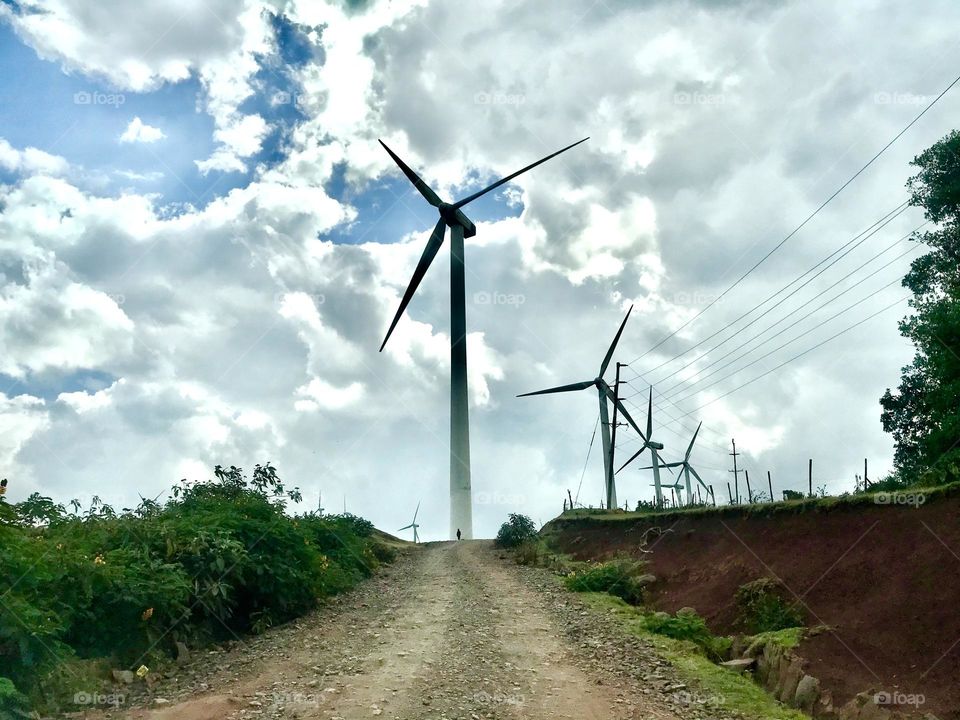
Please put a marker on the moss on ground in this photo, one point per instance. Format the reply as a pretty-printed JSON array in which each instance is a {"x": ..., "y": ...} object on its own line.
[{"x": 721, "y": 688}]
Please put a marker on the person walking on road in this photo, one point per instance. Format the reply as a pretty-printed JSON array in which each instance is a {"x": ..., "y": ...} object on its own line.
[{"x": 458, "y": 534}]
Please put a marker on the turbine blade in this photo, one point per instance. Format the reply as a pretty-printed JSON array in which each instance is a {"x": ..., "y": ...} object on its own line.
[
  {"x": 508, "y": 178},
  {"x": 623, "y": 410},
  {"x": 562, "y": 388},
  {"x": 692, "y": 441},
  {"x": 699, "y": 479},
  {"x": 650, "y": 414},
  {"x": 429, "y": 195},
  {"x": 415, "y": 513},
  {"x": 405, "y": 527},
  {"x": 429, "y": 253},
  {"x": 666, "y": 465},
  {"x": 632, "y": 458},
  {"x": 613, "y": 345}
]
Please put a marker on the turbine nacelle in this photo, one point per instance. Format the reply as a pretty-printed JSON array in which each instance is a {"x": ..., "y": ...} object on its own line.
[{"x": 452, "y": 215}]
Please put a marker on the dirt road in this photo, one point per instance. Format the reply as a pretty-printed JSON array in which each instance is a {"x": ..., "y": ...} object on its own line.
[{"x": 449, "y": 631}]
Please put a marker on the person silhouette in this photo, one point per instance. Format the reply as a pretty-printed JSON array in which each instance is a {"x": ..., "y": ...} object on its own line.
[{"x": 458, "y": 533}]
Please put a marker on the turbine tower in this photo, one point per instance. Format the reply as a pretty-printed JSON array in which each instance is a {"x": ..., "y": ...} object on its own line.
[
  {"x": 461, "y": 510},
  {"x": 648, "y": 443},
  {"x": 604, "y": 392},
  {"x": 416, "y": 537}
]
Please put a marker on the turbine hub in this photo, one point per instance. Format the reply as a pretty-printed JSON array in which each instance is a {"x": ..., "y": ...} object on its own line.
[{"x": 454, "y": 216}]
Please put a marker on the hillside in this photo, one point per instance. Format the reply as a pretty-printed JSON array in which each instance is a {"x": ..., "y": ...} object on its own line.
[{"x": 882, "y": 577}]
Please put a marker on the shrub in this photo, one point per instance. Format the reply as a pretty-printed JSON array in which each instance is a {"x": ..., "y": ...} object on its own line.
[
  {"x": 763, "y": 608},
  {"x": 516, "y": 530},
  {"x": 625, "y": 578},
  {"x": 98, "y": 588},
  {"x": 530, "y": 552},
  {"x": 687, "y": 625}
]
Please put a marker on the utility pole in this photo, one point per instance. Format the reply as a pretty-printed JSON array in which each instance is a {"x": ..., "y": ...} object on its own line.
[
  {"x": 810, "y": 479},
  {"x": 611, "y": 486},
  {"x": 746, "y": 474},
  {"x": 736, "y": 473},
  {"x": 770, "y": 485},
  {"x": 866, "y": 482}
]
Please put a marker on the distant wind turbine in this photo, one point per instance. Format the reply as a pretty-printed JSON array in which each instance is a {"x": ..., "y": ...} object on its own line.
[
  {"x": 416, "y": 537},
  {"x": 687, "y": 469},
  {"x": 604, "y": 392},
  {"x": 649, "y": 444},
  {"x": 461, "y": 511}
]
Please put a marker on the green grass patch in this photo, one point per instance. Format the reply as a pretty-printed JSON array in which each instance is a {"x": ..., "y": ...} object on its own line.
[
  {"x": 623, "y": 577},
  {"x": 815, "y": 504},
  {"x": 720, "y": 687}
]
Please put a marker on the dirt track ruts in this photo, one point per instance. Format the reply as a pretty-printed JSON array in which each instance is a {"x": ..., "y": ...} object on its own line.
[{"x": 451, "y": 630}]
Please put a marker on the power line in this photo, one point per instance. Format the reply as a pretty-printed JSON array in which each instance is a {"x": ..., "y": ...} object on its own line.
[
  {"x": 849, "y": 246},
  {"x": 806, "y": 220},
  {"x": 799, "y": 355},
  {"x": 586, "y": 462},
  {"x": 700, "y": 377}
]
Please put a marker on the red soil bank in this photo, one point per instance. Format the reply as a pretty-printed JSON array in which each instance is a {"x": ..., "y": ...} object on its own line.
[{"x": 884, "y": 578}]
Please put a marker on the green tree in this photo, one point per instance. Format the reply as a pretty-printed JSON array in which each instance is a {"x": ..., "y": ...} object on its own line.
[
  {"x": 515, "y": 531},
  {"x": 923, "y": 415}
]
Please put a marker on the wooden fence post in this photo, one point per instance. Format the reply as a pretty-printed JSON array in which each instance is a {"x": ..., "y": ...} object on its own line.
[{"x": 770, "y": 485}]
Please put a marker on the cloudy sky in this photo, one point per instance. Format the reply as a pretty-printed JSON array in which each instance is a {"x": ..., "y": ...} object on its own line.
[{"x": 202, "y": 242}]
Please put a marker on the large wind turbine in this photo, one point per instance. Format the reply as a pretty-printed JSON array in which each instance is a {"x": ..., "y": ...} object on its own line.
[
  {"x": 416, "y": 537},
  {"x": 461, "y": 510},
  {"x": 648, "y": 443},
  {"x": 605, "y": 392}
]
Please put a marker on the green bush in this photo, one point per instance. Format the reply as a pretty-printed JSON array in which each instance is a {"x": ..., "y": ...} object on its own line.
[
  {"x": 763, "y": 608},
  {"x": 687, "y": 625},
  {"x": 101, "y": 588},
  {"x": 516, "y": 530},
  {"x": 625, "y": 578}
]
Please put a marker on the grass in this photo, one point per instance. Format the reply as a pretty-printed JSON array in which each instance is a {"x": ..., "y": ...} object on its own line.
[
  {"x": 815, "y": 504},
  {"x": 720, "y": 687}
]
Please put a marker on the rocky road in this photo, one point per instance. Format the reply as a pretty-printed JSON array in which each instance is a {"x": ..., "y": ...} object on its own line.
[{"x": 451, "y": 630}]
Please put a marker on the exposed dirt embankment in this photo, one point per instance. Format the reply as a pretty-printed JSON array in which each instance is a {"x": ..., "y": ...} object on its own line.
[{"x": 884, "y": 578}]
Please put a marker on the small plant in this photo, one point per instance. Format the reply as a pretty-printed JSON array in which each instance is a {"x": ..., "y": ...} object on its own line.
[
  {"x": 515, "y": 531},
  {"x": 763, "y": 608},
  {"x": 687, "y": 625},
  {"x": 530, "y": 552},
  {"x": 624, "y": 578}
]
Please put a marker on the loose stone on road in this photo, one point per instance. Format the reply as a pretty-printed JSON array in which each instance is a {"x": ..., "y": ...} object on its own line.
[{"x": 451, "y": 630}]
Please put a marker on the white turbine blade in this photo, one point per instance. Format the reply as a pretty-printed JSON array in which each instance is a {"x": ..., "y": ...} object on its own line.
[
  {"x": 650, "y": 414},
  {"x": 561, "y": 388},
  {"x": 613, "y": 345},
  {"x": 692, "y": 441},
  {"x": 511, "y": 176},
  {"x": 405, "y": 527},
  {"x": 429, "y": 195},
  {"x": 429, "y": 253},
  {"x": 415, "y": 512},
  {"x": 632, "y": 457}
]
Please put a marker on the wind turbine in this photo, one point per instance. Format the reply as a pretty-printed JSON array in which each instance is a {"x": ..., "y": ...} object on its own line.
[
  {"x": 648, "y": 443},
  {"x": 604, "y": 392},
  {"x": 687, "y": 468},
  {"x": 416, "y": 537},
  {"x": 461, "y": 511}
]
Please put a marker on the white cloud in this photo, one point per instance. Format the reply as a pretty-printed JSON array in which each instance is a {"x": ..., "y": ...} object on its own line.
[
  {"x": 139, "y": 132},
  {"x": 31, "y": 161}
]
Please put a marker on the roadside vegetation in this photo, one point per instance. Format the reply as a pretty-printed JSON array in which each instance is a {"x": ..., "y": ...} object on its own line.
[
  {"x": 620, "y": 588},
  {"x": 90, "y": 591}
]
